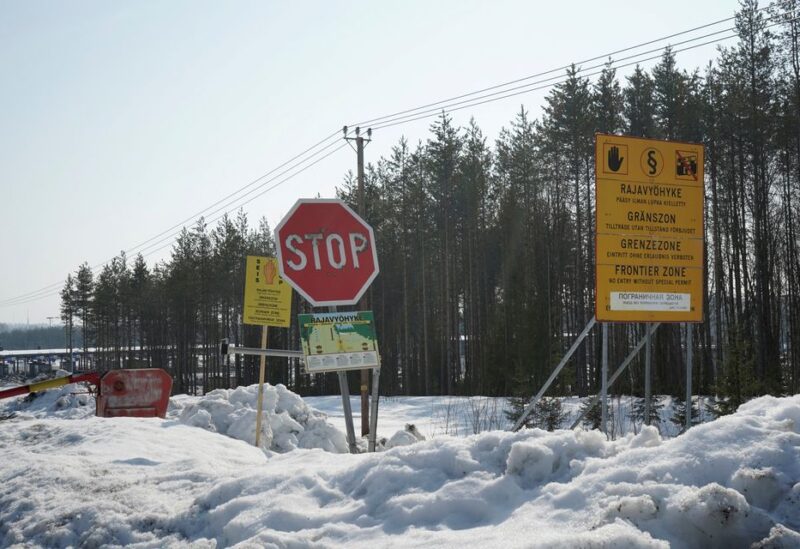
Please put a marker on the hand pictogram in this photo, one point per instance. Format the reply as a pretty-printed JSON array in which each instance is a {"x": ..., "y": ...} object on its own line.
[
  {"x": 614, "y": 159},
  {"x": 270, "y": 272}
]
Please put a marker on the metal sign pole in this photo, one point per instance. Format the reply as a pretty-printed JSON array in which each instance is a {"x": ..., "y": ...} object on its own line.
[
  {"x": 688, "y": 406},
  {"x": 647, "y": 388},
  {"x": 373, "y": 423},
  {"x": 261, "y": 372},
  {"x": 348, "y": 411},
  {"x": 604, "y": 374}
]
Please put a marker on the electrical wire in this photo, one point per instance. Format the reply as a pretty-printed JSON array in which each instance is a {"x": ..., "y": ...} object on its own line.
[
  {"x": 556, "y": 70},
  {"x": 143, "y": 245},
  {"x": 476, "y": 102},
  {"x": 533, "y": 86},
  {"x": 170, "y": 243},
  {"x": 398, "y": 118}
]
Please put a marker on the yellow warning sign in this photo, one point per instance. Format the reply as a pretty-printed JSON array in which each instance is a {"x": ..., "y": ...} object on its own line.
[
  {"x": 649, "y": 226},
  {"x": 267, "y": 297}
]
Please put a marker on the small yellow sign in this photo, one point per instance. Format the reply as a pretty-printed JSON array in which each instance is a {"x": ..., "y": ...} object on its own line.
[
  {"x": 649, "y": 225},
  {"x": 267, "y": 297}
]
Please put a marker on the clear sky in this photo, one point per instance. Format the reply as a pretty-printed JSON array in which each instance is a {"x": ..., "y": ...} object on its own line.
[{"x": 120, "y": 119}]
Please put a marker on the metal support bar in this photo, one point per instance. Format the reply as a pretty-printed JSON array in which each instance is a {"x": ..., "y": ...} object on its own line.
[
  {"x": 689, "y": 350},
  {"x": 604, "y": 382},
  {"x": 647, "y": 386},
  {"x": 348, "y": 412},
  {"x": 558, "y": 369},
  {"x": 226, "y": 349},
  {"x": 373, "y": 416},
  {"x": 618, "y": 372}
]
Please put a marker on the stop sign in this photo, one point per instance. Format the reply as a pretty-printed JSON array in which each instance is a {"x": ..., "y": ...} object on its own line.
[{"x": 326, "y": 252}]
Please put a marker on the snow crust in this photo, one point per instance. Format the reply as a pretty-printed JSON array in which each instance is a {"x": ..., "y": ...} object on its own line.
[{"x": 154, "y": 483}]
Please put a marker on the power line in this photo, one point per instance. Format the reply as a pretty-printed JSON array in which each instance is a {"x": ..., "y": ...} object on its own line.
[
  {"x": 551, "y": 71},
  {"x": 337, "y": 149},
  {"x": 398, "y": 118},
  {"x": 534, "y": 86},
  {"x": 22, "y": 298},
  {"x": 51, "y": 293},
  {"x": 47, "y": 290},
  {"x": 230, "y": 205},
  {"x": 477, "y": 101}
]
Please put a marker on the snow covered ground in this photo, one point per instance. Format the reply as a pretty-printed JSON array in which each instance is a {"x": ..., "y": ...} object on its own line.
[{"x": 70, "y": 479}]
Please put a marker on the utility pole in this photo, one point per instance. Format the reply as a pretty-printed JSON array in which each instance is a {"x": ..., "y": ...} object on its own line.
[{"x": 364, "y": 303}]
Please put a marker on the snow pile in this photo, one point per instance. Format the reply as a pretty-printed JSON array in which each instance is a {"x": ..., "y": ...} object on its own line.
[
  {"x": 149, "y": 483},
  {"x": 408, "y": 435},
  {"x": 287, "y": 422},
  {"x": 71, "y": 401}
]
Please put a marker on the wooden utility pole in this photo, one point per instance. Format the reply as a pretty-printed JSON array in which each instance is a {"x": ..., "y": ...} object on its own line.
[{"x": 364, "y": 303}]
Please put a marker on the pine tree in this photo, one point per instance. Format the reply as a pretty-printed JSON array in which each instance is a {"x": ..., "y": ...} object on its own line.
[
  {"x": 738, "y": 382},
  {"x": 637, "y": 413},
  {"x": 515, "y": 409},
  {"x": 84, "y": 290},
  {"x": 638, "y": 106},
  {"x": 547, "y": 413},
  {"x": 594, "y": 414},
  {"x": 68, "y": 312},
  {"x": 679, "y": 413}
]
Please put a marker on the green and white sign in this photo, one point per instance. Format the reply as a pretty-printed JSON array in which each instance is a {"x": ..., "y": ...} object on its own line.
[{"x": 339, "y": 341}]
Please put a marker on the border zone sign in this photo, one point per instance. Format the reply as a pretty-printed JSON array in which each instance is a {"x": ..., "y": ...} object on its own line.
[{"x": 649, "y": 264}]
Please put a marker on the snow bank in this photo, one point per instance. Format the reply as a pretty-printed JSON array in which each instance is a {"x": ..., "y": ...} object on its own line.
[
  {"x": 146, "y": 483},
  {"x": 287, "y": 422},
  {"x": 71, "y": 401}
]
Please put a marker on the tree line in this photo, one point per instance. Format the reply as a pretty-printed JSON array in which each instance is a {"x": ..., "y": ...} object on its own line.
[
  {"x": 22, "y": 337},
  {"x": 487, "y": 249}
]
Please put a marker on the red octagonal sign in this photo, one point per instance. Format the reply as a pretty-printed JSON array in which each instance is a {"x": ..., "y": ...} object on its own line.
[{"x": 326, "y": 252}]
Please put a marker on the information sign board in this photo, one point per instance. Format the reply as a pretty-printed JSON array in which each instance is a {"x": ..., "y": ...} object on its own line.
[
  {"x": 338, "y": 341},
  {"x": 649, "y": 230}
]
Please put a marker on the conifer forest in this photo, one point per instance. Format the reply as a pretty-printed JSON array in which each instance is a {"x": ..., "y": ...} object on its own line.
[{"x": 486, "y": 246}]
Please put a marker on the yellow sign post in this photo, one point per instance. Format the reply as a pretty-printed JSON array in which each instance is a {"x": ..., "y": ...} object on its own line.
[
  {"x": 267, "y": 302},
  {"x": 649, "y": 230}
]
